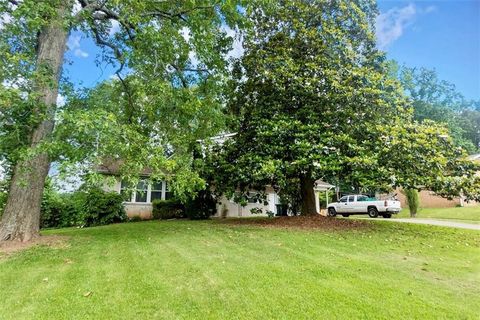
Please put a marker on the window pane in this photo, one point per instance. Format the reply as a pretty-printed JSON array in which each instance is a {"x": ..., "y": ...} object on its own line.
[
  {"x": 156, "y": 195},
  {"x": 141, "y": 193},
  {"x": 168, "y": 195},
  {"x": 126, "y": 194},
  {"x": 157, "y": 186},
  {"x": 125, "y": 185},
  {"x": 351, "y": 198},
  {"x": 142, "y": 185},
  {"x": 252, "y": 198},
  {"x": 141, "y": 196},
  {"x": 343, "y": 199}
]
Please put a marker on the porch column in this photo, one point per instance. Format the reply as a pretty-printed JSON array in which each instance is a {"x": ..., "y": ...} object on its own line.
[{"x": 317, "y": 201}]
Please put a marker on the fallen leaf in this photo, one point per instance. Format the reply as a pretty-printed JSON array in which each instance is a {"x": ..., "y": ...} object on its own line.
[
  {"x": 88, "y": 294},
  {"x": 45, "y": 279}
]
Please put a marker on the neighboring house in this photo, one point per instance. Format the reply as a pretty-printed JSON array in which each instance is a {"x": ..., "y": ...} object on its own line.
[{"x": 429, "y": 199}]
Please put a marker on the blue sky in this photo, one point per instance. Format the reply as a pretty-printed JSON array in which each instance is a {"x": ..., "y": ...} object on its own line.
[{"x": 441, "y": 35}]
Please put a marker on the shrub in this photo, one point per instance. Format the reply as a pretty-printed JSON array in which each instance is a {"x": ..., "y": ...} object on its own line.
[
  {"x": 52, "y": 210},
  {"x": 167, "y": 209},
  {"x": 224, "y": 212},
  {"x": 413, "y": 201},
  {"x": 135, "y": 219},
  {"x": 202, "y": 206},
  {"x": 102, "y": 207}
]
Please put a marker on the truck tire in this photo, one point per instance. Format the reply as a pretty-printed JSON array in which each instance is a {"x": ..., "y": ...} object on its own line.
[
  {"x": 332, "y": 212},
  {"x": 345, "y": 215},
  {"x": 387, "y": 215},
  {"x": 372, "y": 212}
]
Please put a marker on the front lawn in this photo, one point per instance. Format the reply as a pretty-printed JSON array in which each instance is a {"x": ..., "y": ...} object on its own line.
[
  {"x": 214, "y": 270},
  {"x": 464, "y": 214}
]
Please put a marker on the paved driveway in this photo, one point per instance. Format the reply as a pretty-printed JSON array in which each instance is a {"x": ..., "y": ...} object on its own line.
[{"x": 442, "y": 223}]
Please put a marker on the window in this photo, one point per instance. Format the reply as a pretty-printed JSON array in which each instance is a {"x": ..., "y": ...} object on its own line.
[
  {"x": 253, "y": 197},
  {"x": 145, "y": 192},
  {"x": 156, "y": 191},
  {"x": 125, "y": 192},
  {"x": 142, "y": 191},
  {"x": 168, "y": 193},
  {"x": 362, "y": 198},
  {"x": 343, "y": 199},
  {"x": 351, "y": 198}
]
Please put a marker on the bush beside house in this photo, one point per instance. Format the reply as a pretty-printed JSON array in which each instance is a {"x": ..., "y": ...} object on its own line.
[
  {"x": 167, "y": 209},
  {"x": 86, "y": 207},
  {"x": 203, "y": 206}
]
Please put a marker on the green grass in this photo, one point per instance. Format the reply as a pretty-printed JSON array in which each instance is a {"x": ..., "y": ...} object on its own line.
[
  {"x": 209, "y": 270},
  {"x": 464, "y": 214}
]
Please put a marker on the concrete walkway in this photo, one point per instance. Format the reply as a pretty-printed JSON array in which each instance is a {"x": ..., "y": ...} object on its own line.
[{"x": 442, "y": 223}]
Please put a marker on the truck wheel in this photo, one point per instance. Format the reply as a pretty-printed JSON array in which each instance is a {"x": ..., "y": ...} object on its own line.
[
  {"x": 372, "y": 212},
  {"x": 332, "y": 212},
  {"x": 345, "y": 215},
  {"x": 387, "y": 215}
]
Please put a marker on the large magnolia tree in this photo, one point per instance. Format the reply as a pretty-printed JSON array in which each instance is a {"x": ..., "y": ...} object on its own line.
[
  {"x": 313, "y": 100},
  {"x": 171, "y": 59}
]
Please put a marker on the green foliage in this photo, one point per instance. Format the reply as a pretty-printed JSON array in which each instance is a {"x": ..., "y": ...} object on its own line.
[
  {"x": 270, "y": 213},
  {"x": 85, "y": 207},
  {"x": 135, "y": 219},
  {"x": 176, "y": 53},
  {"x": 102, "y": 207},
  {"x": 308, "y": 100},
  {"x": 311, "y": 102},
  {"x": 224, "y": 212},
  {"x": 413, "y": 201},
  {"x": 439, "y": 100},
  {"x": 323, "y": 198},
  {"x": 3, "y": 195},
  {"x": 168, "y": 209},
  {"x": 203, "y": 206}
]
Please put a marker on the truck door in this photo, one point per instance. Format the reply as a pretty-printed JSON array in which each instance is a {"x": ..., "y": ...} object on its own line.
[
  {"x": 350, "y": 207},
  {"x": 361, "y": 204},
  {"x": 342, "y": 205}
]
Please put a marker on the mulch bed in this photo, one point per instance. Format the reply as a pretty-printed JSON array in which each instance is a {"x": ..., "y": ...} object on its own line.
[
  {"x": 301, "y": 222},
  {"x": 9, "y": 247}
]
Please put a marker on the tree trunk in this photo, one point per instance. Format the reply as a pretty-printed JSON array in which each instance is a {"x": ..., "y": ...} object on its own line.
[
  {"x": 308, "y": 207},
  {"x": 21, "y": 217}
]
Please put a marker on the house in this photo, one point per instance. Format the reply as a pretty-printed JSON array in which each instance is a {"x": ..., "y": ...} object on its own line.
[{"x": 139, "y": 201}]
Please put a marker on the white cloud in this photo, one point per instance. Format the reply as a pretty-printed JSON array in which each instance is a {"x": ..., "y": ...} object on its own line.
[
  {"x": 76, "y": 8},
  {"x": 74, "y": 44},
  {"x": 115, "y": 28},
  {"x": 392, "y": 24},
  {"x": 2, "y": 171},
  {"x": 5, "y": 18},
  {"x": 185, "y": 33},
  {"x": 61, "y": 100},
  {"x": 430, "y": 9},
  {"x": 80, "y": 53},
  {"x": 237, "y": 47}
]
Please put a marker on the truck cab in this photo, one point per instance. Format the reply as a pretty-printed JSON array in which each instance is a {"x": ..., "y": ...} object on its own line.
[{"x": 362, "y": 204}]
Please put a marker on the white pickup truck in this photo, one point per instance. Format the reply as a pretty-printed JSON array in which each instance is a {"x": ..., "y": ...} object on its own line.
[{"x": 361, "y": 204}]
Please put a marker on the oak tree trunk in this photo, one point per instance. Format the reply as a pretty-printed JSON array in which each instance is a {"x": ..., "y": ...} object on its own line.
[
  {"x": 21, "y": 217},
  {"x": 308, "y": 206}
]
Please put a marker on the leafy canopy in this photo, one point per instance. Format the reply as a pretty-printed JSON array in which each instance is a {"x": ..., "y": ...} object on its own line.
[
  {"x": 313, "y": 99},
  {"x": 172, "y": 62}
]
